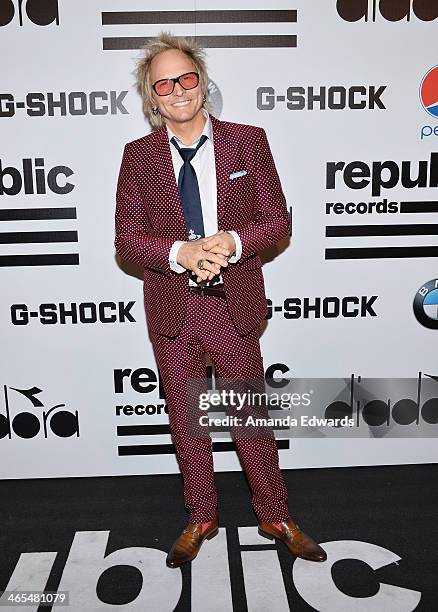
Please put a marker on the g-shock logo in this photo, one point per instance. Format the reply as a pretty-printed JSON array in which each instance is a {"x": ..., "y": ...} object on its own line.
[{"x": 64, "y": 103}]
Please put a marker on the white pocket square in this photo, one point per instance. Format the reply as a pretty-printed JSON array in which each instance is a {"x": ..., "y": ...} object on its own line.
[{"x": 234, "y": 175}]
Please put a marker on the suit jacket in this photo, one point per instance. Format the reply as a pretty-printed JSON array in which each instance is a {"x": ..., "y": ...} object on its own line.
[{"x": 149, "y": 218}]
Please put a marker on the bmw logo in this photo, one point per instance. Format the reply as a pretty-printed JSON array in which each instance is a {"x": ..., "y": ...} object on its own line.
[{"x": 426, "y": 304}]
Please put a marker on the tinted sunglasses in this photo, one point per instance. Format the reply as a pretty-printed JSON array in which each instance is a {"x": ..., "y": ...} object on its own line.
[{"x": 165, "y": 87}]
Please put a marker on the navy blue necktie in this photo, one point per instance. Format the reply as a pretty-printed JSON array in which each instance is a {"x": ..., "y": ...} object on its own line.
[{"x": 188, "y": 189}]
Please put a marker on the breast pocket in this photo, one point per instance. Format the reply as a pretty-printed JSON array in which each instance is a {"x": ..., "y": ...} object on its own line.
[
  {"x": 244, "y": 181},
  {"x": 241, "y": 194}
]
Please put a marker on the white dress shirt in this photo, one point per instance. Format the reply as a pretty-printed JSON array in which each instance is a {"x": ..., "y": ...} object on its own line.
[{"x": 205, "y": 169}]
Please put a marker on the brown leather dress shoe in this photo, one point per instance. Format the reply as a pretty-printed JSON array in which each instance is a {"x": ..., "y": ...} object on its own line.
[
  {"x": 187, "y": 546},
  {"x": 299, "y": 544}
]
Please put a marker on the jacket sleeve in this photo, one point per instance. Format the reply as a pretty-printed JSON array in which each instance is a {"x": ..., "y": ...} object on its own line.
[
  {"x": 133, "y": 241},
  {"x": 271, "y": 220}
]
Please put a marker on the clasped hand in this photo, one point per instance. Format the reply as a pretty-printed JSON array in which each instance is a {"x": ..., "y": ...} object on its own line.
[{"x": 213, "y": 250}]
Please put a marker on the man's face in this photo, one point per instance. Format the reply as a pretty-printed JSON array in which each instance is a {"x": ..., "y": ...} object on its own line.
[{"x": 181, "y": 105}]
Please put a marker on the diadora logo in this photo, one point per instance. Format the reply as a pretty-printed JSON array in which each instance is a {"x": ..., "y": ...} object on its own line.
[
  {"x": 385, "y": 403},
  {"x": 17, "y": 421},
  {"x": 426, "y": 304},
  {"x": 38, "y": 12},
  {"x": 389, "y": 10}
]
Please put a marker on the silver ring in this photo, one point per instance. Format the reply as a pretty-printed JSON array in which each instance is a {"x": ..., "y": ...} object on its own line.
[{"x": 200, "y": 264}]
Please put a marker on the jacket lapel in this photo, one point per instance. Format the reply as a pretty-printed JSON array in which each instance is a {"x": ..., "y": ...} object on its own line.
[
  {"x": 224, "y": 160},
  {"x": 163, "y": 161}
]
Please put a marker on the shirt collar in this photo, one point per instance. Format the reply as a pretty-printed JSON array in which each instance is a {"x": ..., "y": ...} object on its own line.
[{"x": 207, "y": 131}]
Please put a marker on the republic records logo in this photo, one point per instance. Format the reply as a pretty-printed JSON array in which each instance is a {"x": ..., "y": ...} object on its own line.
[{"x": 426, "y": 304}]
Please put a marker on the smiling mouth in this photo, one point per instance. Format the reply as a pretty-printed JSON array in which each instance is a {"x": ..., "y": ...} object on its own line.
[{"x": 181, "y": 103}]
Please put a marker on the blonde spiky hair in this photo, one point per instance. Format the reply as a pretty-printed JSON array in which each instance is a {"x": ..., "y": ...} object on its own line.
[{"x": 155, "y": 46}]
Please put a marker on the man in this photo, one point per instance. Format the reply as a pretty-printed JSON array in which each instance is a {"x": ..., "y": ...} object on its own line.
[{"x": 197, "y": 199}]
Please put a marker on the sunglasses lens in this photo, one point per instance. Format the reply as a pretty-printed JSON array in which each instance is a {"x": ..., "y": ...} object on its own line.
[
  {"x": 164, "y": 87},
  {"x": 189, "y": 80}
]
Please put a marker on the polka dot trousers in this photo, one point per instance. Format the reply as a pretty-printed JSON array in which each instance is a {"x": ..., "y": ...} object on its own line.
[{"x": 208, "y": 329}]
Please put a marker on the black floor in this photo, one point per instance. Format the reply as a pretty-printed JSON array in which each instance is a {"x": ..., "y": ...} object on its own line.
[{"x": 393, "y": 507}]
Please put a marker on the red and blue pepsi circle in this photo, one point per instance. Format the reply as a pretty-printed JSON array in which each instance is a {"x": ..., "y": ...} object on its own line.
[{"x": 429, "y": 92}]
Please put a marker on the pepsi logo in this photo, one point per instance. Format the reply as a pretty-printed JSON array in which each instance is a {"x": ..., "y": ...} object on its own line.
[{"x": 429, "y": 92}]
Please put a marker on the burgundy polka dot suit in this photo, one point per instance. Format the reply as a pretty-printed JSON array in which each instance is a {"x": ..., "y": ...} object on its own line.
[{"x": 183, "y": 327}]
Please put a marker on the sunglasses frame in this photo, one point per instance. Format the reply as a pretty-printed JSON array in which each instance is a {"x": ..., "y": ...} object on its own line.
[{"x": 176, "y": 80}]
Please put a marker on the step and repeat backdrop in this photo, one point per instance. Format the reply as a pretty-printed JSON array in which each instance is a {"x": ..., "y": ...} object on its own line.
[{"x": 347, "y": 92}]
